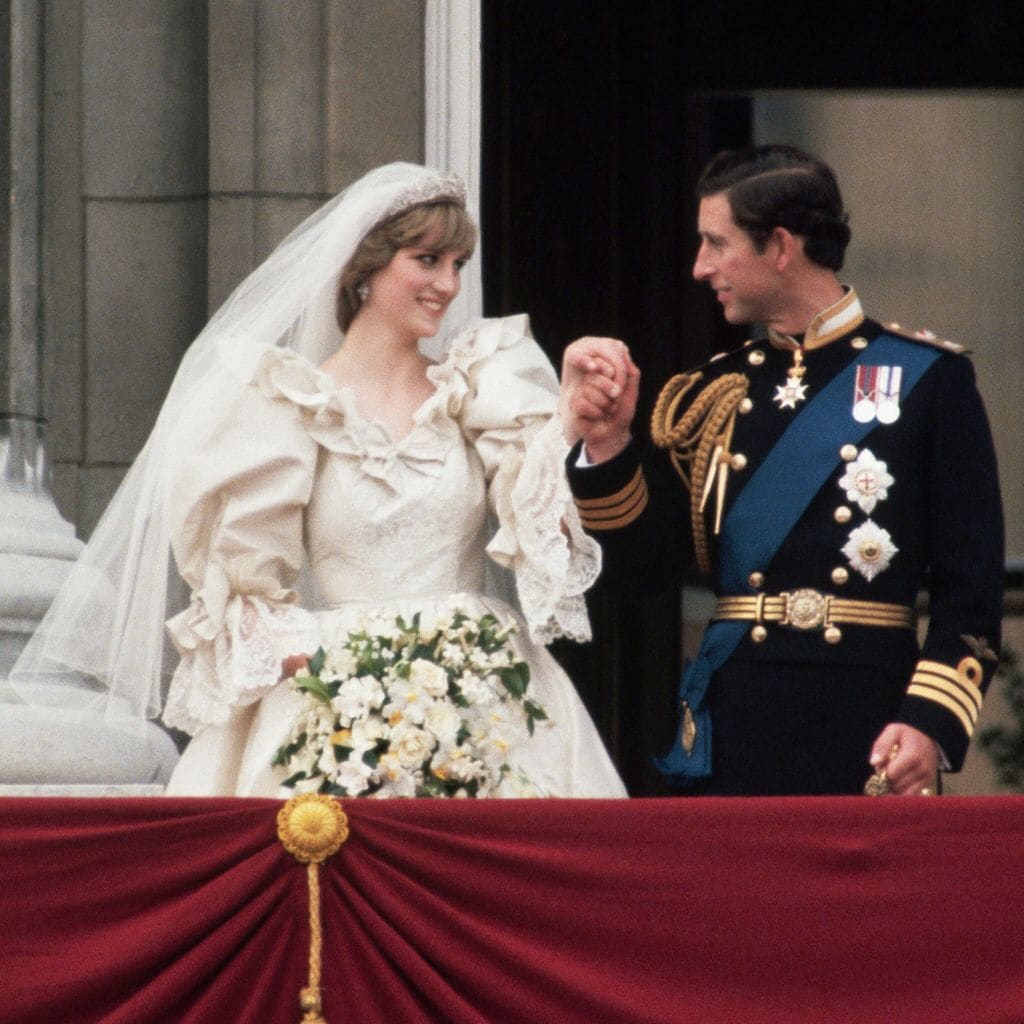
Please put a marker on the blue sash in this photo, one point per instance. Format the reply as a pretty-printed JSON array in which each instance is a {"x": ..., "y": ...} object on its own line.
[{"x": 765, "y": 512}]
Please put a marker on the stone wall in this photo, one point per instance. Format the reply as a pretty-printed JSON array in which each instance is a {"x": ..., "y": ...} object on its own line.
[{"x": 182, "y": 142}]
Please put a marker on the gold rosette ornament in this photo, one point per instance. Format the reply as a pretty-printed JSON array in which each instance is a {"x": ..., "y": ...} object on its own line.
[{"x": 312, "y": 828}]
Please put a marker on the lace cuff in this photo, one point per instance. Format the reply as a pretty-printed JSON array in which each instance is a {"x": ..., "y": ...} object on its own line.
[
  {"x": 541, "y": 538},
  {"x": 231, "y": 654}
]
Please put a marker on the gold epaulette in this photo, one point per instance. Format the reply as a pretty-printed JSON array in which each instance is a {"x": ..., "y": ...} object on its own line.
[
  {"x": 698, "y": 442},
  {"x": 926, "y": 337},
  {"x": 616, "y": 510}
]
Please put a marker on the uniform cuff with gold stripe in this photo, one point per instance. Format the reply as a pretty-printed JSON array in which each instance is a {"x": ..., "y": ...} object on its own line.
[
  {"x": 955, "y": 689},
  {"x": 615, "y": 510}
]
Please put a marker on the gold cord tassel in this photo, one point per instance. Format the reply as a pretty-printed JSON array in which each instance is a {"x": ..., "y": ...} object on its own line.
[
  {"x": 698, "y": 442},
  {"x": 312, "y": 828}
]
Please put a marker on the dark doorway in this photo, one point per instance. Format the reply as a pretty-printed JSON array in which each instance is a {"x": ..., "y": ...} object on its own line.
[{"x": 597, "y": 118}]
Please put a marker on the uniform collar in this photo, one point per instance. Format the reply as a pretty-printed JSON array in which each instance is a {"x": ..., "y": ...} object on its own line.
[{"x": 832, "y": 322}]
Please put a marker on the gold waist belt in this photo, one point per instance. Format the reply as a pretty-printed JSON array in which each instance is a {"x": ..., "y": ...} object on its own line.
[{"x": 807, "y": 609}]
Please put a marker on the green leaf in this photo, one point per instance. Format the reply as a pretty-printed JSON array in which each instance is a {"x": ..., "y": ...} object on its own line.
[
  {"x": 516, "y": 678},
  {"x": 316, "y": 663},
  {"x": 314, "y": 686}
]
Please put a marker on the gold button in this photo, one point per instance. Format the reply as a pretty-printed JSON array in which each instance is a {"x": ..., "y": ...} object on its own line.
[
  {"x": 759, "y": 634},
  {"x": 843, "y": 514},
  {"x": 848, "y": 452},
  {"x": 746, "y": 405},
  {"x": 833, "y": 635},
  {"x": 756, "y": 358},
  {"x": 756, "y": 580},
  {"x": 840, "y": 575},
  {"x": 859, "y": 342},
  {"x": 738, "y": 461}
]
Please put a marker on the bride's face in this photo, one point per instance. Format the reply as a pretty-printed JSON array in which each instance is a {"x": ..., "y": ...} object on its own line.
[{"x": 413, "y": 292}]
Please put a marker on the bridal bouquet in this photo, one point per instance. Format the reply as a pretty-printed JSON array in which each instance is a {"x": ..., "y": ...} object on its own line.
[{"x": 404, "y": 709}]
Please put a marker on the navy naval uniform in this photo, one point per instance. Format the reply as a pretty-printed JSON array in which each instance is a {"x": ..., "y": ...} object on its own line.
[{"x": 818, "y": 540}]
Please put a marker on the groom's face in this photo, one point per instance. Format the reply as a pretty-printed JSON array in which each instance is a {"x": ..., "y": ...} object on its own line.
[{"x": 744, "y": 280}]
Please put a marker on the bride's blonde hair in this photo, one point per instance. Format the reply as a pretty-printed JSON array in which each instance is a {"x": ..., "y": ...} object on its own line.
[{"x": 446, "y": 223}]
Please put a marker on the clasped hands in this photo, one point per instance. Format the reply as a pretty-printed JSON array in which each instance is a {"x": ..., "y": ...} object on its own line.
[{"x": 600, "y": 384}]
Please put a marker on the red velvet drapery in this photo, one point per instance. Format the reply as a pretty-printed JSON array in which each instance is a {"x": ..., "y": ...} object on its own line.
[{"x": 173, "y": 911}]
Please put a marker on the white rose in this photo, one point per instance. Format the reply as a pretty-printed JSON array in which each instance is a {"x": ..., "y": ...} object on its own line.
[
  {"x": 430, "y": 677},
  {"x": 444, "y": 721},
  {"x": 412, "y": 746}
]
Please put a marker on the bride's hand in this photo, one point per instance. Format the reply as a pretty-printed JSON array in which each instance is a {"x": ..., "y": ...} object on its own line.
[
  {"x": 292, "y": 664},
  {"x": 600, "y": 384}
]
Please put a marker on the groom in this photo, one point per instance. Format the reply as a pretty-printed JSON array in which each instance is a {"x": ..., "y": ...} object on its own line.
[{"x": 821, "y": 476}]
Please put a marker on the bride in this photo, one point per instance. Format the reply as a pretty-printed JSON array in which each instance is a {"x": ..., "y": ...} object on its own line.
[{"x": 312, "y": 467}]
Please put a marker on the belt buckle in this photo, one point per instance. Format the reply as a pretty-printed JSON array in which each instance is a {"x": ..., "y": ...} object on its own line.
[{"x": 805, "y": 609}]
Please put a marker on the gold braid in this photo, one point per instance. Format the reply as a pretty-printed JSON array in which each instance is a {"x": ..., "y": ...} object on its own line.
[{"x": 692, "y": 439}]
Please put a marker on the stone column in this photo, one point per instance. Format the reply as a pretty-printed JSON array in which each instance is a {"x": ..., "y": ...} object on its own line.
[{"x": 49, "y": 749}]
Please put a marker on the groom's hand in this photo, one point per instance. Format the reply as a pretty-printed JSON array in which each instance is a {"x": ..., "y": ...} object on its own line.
[{"x": 600, "y": 384}]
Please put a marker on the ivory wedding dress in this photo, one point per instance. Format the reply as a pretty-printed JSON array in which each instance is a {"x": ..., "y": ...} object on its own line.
[{"x": 294, "y": 475}]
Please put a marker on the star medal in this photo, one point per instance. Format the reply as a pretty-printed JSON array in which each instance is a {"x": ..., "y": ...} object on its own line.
[
  {"x": 870, "y": 549},
  {"x": 794, "y": 390},
  {"x": 865, "y": 394},
  {"x": 889, "y": 393},
  {"x": 866, "y": 481}
]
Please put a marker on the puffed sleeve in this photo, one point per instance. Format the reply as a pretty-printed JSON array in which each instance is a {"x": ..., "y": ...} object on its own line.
[
  {"x": 506, "y": 404},
  {"x": 235, "y": 518}
]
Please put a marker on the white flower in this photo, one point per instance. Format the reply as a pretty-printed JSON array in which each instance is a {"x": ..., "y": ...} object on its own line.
[
  {"x": 477, "y": 689},
  {"x": 453, "y": 654},
  {"x": 409, "y": 700},
  {"x": 443, "y": 720},
  {"x": 866, "y": 481},
  {"x": 457, "y": 764},
  {"x": 339, "y": 663},
  {"x": 356, "y": 697},
  {"x": 366, "y": 733},
  {"x": 412, "y": 725},
  {"x": 411, "y": 745},
  {"x": 327, "y": 763},
  {"x": 396, "y": 780},
  {"x": 354, "y": 775},
  {"x": 430, "y": 677}
]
